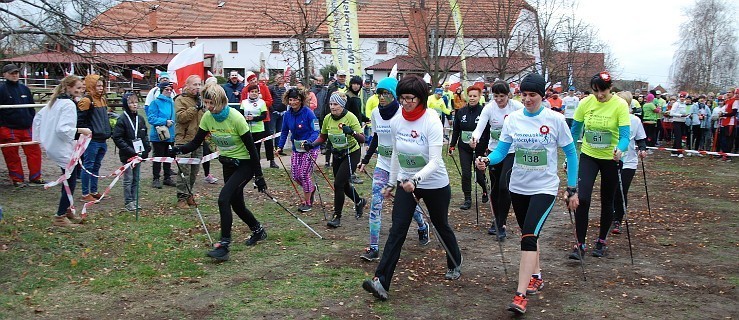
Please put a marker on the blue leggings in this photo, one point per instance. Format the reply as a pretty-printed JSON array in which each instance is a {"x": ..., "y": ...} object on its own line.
[{"x": 379, "y": 180}]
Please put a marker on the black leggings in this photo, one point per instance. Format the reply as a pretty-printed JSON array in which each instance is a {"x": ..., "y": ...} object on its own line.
[
  {"x": 206, "y": 165},
  {"x": 161, "y": 149},
  {"x": 342, "y": 174},
  {"x": 232, "y": 197},
  {"x": 500, "y": 178},
  {"x": 627, "y": 175},
  {"x": 531, "y": 213},
  {"x": 466, "y": 160},
  {"x": 651, "y": 132},
  {"x": 589, "y": 168},
  {"x": 269, "y": 149},
  {"x": 437, "y": 203},
  {"x": 678, "y": 129}
]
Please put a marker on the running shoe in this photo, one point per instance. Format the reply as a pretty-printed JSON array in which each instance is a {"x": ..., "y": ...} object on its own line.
[
  {"x": 535, "y": 285},
  {"x": 519, "y": 304},
  {"x": 370, "y": 254}
]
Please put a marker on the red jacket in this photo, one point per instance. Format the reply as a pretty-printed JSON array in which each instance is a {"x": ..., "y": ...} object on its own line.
[
  {"x": 727, "y": 109},
  {"x": 266, "y": 96}
]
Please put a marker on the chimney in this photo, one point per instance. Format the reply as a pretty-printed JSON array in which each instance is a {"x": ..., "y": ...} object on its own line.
[
  {"x": 153, "y": 19},
  {"x": 417, "y": 34}
]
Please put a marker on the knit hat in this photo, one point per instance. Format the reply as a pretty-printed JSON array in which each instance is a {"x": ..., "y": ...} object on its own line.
[
  {"x": 533, "y": 82},
  {"x": 164, "y": 84},
  {"x": 355, "y": 79},
  {"x": 250, "y": 75},
  {"x": 164, "y": 74},
  {"x": 388, "y": 84},
  {"x": 336, "y": 98},
  {"x": 438, "y": 91},
  {"x": 650, "y": 97}
]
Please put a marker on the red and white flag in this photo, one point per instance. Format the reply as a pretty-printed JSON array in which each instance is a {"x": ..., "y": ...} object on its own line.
[
  {"x": 454, "y": 81},
  {"x": 287, "y": 75},
  {"x": 46, "y": 74},
  {"x": 210, "y": 74},
  {"x": 186, "y": 63},
  {"x": 71, "y": 69},
  {"x": 158, "y": 72},
  {"x": 135, "y": 74},
  {"x": 112, "y": 75}
]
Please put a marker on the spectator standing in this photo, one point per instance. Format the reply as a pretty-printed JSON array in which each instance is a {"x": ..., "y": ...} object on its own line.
[
  {"x": 161, "y": 117},
  {"x": 131, "y": 137},
  {"x": 278, "y": 107},
  {"x": 92, "y": 113},
  {"x": 233, "y": 87},
  {"x": 188, "y": 112},
  {"x": 154, "y": 92}
]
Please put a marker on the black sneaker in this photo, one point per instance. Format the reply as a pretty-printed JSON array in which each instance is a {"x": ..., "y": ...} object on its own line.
[
  {"x": 466, "y": 205},
  {"x": 501, "y": 234},
  {"x": 600, "y": 249},
  {"x": 256, "y": 236},
  {"x": 578, "y": 252},
  {"x": 370, "y": 254},
  {"x": 273, "y": 165},
  {"x": 169, "y": 182},
  {"x": 492, "y": 230},
  {"x": 454, "y": 273},
  {"x": 375, "y": 288},
  {"x": 359, "y": 207},
  {"x": 423, "y": 236},
  {"x": 335, "y": 222},
  {"x": 156, "y": 184},
  {"x": 356, "y": 179},
  {"x": 220, "y": 251},
  {"x": 305, "y": 207},
  {"x": 485, "y": 197}
]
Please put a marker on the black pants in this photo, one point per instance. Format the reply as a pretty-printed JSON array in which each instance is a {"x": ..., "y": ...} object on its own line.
[
  {"x": 437, "y": 203},
  {"x": 531, "y": 213},
  {"x": 589, "y": 168},
  {"x": 727, "y": 138},
  {"x": 651, "y": 131},
  {"x": 466, "y": 160},
  {"x": 206, "y": 165},
  {"x": 269, "y": 149},
  {"x": 627, "y": 175},
  {"x": 64, "y": 200},
  {"x": 678, "y": 129},
  {"x": 232, "y": 197},
  {"x": 161, "y": 149},
  {"x": 342, "y": 174},
  {"x": 695, "y": 137},
  {"x": 500, "y": 178}
]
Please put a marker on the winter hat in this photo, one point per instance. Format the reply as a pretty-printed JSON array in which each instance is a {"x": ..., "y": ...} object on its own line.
[
  {"x": 250, "y": 75},
  {"x": 164, "y": 84},
  {"x": 164, "y": 74},
  {"x": 388, "y": 84},
  {"x": 124, "y": 101},
  {"x": 336, "y": 98},
  {"x": 355, "y": 79},
  {"x": 533, "y": 82},
  {"x": 438, "y": 91},
  {"x": 650, "y": 98}
]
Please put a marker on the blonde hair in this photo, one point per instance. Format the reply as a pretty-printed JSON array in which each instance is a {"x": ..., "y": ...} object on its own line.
[
  {"x": 68, "y": 81},
  {"x": 215, "y": 93},
  {"x": 626, "y": 96}
]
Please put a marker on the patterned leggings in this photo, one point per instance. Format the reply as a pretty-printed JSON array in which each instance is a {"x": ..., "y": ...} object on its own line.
[
  {"x": 379, "y": 180},
  {"x": 301, "y": 167}
]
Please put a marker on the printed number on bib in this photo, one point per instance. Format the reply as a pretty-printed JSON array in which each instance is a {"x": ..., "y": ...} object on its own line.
[
  {"x": 531, "y": 159},
  {"x": 339, "y": 141},
  {"x": 495, "y": 133},
  {"x": 299, "y": 145},
  {"x": 223, "y": 142},
  {"x": 598, "y": 139},
  {"x": 316, "y": 127},
  {"x": 411, "y": 161},
  {"x": 385, "y": 151},
  {"x": 466, "y": 136}
]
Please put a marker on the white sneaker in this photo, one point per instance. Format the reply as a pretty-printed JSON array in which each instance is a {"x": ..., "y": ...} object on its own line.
[
  {"x": 673, "y": 155},
  {"x": 680, "y": 155},
  {"x": 211, "y": 179}
]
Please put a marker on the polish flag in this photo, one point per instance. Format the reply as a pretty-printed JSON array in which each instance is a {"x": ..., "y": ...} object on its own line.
[
  {"x": 158, "y": 72},
  {"x": 210, "y": 74},
  {"x": 186, "y": 63},
  {"x": 454, "y": 81},
  {"x": 112, "y": 75},
  {"x": 287, "y": 75},
  {"x": 46, "y": 74},
  {"x": 137, "y": 75}
]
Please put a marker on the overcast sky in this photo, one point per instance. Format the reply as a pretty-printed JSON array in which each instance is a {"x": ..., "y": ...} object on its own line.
[{"x": 642, "y": 34}]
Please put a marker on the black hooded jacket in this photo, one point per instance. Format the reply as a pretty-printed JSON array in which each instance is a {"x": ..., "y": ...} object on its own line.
[{"x": 123, "y": 133}]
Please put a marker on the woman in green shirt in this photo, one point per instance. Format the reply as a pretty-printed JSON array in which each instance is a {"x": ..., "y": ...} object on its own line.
[
  {"x": 650, "y": 114},
  {"x": 344, "y": 132},
  {"x": 238, "y": 155}
]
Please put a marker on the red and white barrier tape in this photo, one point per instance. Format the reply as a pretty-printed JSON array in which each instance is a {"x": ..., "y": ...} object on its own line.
[{"x": 697, "y": 151}]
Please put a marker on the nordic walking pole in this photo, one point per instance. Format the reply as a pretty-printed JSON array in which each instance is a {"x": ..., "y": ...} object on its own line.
[
  {"x": 289, "y": 176},
  {"x": 290, "y": 212},
  {"x": 330, "y": 185},
  {"x": 495, "y": 224},
  {"x": 138, "y": 187},
  {"x": 574, "y": 231},
  {"x": 355, "y": 194},
  {"x": 477, "y": 208},
  {"x": 623, "y": 202},
  {"x": 189, "y": 191},
  {"x": 455, "y": 164},
  {"x": 318, "y": 190},
  {"x": 646, "y": 190}
]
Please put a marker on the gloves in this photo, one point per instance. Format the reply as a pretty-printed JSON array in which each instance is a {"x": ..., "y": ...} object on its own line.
[
  {"x": 308, "y": 145},
  {"x": 174, "y": 151},
  {"x": 261, "y": 184},
  {"x": 347, "y": 130}
]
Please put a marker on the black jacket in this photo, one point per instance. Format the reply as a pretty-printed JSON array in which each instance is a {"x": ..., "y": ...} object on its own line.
[
  {"x": 354, "y": 105},
  {"x": 277, "y": 92},
  {"x": 465, "y": 119},
  {"x": 96, "y": 119},
  {"x": 123, "y": 136},
  {"x": 16, "y": 93}
]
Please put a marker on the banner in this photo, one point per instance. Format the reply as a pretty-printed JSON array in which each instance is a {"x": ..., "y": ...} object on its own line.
[
  {"x": 459, "y": 37},
  {"x": 343, "y": 30}
]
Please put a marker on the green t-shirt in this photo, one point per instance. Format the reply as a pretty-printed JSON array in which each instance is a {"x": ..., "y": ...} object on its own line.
[
  {"x": 226, "y": 135},
  {"x": 338, "y": 139},
  {"x": 648, "y": 113},
  {"x": 600, "y": 124}
]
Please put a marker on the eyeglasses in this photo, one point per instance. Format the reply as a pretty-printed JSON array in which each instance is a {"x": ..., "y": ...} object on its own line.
[
  {"x": 385, "y": 94},
  {"x": 408, "y": 99}
]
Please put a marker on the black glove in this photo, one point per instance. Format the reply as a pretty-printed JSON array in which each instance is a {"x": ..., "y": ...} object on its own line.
[
  {"x": 174, "y": 151},
  {"x": 347, "y": 130},
  {"x": 308, "y": 145},
  {"x": 261, "y": 184}
]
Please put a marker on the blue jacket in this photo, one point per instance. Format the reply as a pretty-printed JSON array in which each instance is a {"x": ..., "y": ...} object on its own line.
[
  {"x": 160, "y": 110},
  {"x": 303, "y": 124},
  {"x": 16, "y": 93},
  {"x": 230, "y": 88}
]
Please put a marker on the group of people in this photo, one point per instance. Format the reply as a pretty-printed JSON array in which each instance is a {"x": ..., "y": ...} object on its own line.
[{"x": 514, "y": 138}]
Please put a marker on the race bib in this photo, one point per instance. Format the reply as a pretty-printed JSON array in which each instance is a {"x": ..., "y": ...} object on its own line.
[
  {"x": 138, "y": 146},
  {"x": 495, "y": 133},
  {"x": 223, "y": 142},
  {"x": 411, "y": 161},
  {"x": 466, "y": 136},
  {"x": 339, "y": 141},
  {"x": 531, "y": 159},
  {"x": 316, "y": 127},
  {"x": 598, "y": 139},
  {"x": 299, "y": 145},
  {"x": 385, "y": 151}
]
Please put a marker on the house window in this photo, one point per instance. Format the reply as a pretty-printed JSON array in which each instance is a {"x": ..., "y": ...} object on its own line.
[
  {"x": 382, "y": 47},
  {"x": 129, "y": 47},
  {"x": 275, "y": 47},
  {"x": 326, "y": 46},
  {"x": 234, "y": 47},
  {"x": 154, "y": 47}
]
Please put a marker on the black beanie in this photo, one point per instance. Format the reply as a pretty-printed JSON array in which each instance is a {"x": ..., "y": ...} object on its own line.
[{"x": 533, "y": 82}]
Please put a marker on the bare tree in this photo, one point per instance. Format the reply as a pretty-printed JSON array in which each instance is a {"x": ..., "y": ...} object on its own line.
[{"x": 707, "y": 55}]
